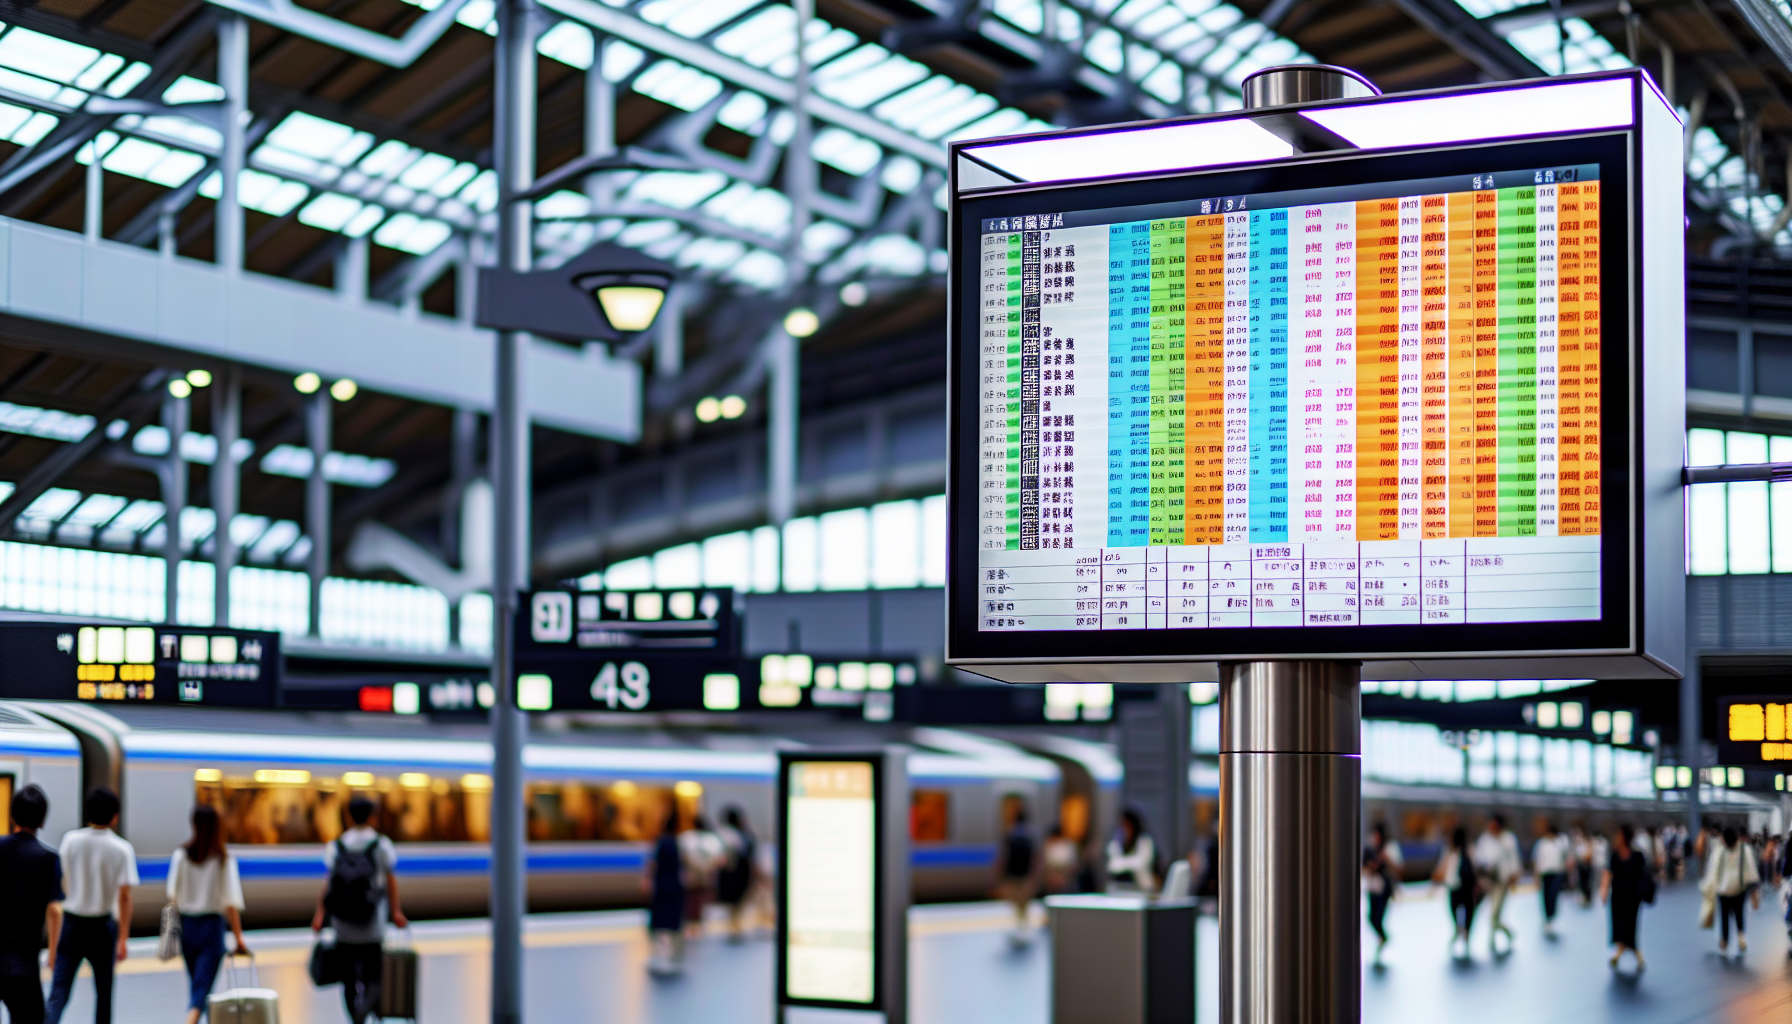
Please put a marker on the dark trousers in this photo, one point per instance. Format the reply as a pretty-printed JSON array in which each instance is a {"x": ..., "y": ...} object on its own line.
[
  {"x": 1728, "y": 907},
  {"x": 202, "y": 949},
  {"x": 21, "y": 992},
  {"x": 1378, "y": 912},
  {"x": 1462, "y": 907},
  {"x": 360, "y": 964},
  {"x": 1552, "y": 893},
  {"x": 95, "y": 940}
]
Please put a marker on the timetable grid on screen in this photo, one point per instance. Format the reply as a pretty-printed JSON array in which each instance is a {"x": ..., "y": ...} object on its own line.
[{"x": 1357, "y": 405}]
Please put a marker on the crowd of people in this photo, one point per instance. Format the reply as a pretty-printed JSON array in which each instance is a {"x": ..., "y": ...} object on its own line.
[
  {"x": 693, "y": 866},
  {"x": 1620, "y": 870}
]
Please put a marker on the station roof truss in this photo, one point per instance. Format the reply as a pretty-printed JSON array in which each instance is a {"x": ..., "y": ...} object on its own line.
[{"x": 372, "y": 119}]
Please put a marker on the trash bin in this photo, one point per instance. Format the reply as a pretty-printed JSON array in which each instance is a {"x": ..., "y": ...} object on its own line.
[{"x": 1122, "y": 960}]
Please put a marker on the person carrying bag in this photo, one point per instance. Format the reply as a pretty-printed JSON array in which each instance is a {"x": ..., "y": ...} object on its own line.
[{"x": 239, "y": 1004}]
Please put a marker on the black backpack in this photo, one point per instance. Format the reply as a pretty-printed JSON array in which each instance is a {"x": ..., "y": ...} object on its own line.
[
  {"x": 354, "y": 893},
  {"x": 1018, "y": 855}
]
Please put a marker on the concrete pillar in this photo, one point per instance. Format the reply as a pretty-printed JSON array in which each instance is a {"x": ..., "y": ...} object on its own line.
[{"x": 317, "y": 501}]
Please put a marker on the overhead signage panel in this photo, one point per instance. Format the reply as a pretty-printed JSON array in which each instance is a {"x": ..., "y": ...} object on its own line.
[
  {"x": 1376, "y": 406},
  {"x": 140, "y": 664}
]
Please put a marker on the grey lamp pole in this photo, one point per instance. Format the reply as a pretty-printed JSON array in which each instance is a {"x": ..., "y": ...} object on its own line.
[
  {"x": 514, "y": 154},
  {"x": 1291, "y": 786}
]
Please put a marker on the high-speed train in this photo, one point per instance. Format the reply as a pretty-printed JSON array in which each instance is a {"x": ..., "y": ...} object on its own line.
[{"x": 595, "y": 799}]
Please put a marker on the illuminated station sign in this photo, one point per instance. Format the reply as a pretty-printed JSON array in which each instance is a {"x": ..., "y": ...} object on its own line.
[
  {"x": 1757, "y": 730},
  {"x": 140, "y": 664}
]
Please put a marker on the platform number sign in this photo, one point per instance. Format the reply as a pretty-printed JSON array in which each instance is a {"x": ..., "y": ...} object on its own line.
[
  {"x": 550, "y": 617},
  {"x": 624, "y": 688}
]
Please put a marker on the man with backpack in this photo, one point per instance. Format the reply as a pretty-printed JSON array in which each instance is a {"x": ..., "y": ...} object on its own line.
[{"x": 357, "y": 900}]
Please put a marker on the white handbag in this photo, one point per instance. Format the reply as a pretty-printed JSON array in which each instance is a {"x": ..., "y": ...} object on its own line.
[{"x": 168, "y": 943}]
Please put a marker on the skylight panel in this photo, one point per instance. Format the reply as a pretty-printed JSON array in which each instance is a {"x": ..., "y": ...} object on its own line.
[
  {"x": 621, "y": 59},
  {"x": 389, "y": 158},
  {"x": 1007, "y": 121},
  {"x": 184, "y": 129},
  {"x": 340, "y": 468},
  {"x": 770, "y": 24},
  {"x": 412, "y": 234},
  {"x": 133, "y": 157},
  {"x": 127, "y": 79},
  {"x": 678, "y": 85},
  {"x": 28, "y": 85},
  {"x": 754, "y": 209},
  {"x": 971, "y": 105},
  {"x": 12, "y": 118},
  {"x": 1104, "y": 50},
  {"x": 907, "y": 108},
  {"x": 45, "y": 56},
  {"x": 138, "y": 516},
  {"x": 1027, "y": 15},
  {"x": 96, "y": 510},
  {"x": 743, "y": 112},
  {"x": 851, "y": 153},
  {"x": 873, "y": 81},
  {"x": 278, "y": 538},
  {"x": 267, "y": 193},
  {"x": 34, "y": 129},
  {"x": 187, "y": 89},
  {"x": 678, "y": 189},
  {"x": 429, "y": 169},
  {"x": 711, "y": 253},
  {"x": 311, "y": 136},
  {"x": 97, "y": 72},
  {"x": 51, "y": 423},
  {"x": 196, "y": 525},
  {"x": 330, "y": 211},
  {"x": 563, "y": 205},
  {"x": 901, "y": 174},
  {"x": 52, "y": 505},
  {"x": 478, "y": 15},
  {"x": 1159, "y": 21},
  {"x": 896, "y": 254},
  {"x": 1132, "y": 12},
  {"x": 646, "y": 232},
  {"x": 668, "y": 248},
  {"x": 482, "y": 192},
  {"x": 247, "y": 529},
  {"x": 1165, "y": 83},
  {"x": 1177, "y": 38},
  {"x": 697, "y": 18},
  {"x": 759, "y": 269},
  {"x": 569, "y": 43},
  {"x": 823, "y": 237},
  {"x": 454, "y": 180}
]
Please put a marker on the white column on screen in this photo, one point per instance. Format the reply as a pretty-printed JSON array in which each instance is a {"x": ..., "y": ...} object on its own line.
[
  {"x": 1157, "y": 578},
  {"x": 1123, "y": 588},
  {"x": 1412, "y": 427},
  {"x": 1187, "y": 587},
  {"x": 1238, "y": 378},
  {"x": 1391, "y": 582},
  {"x": 1276, "y": 591},
  {"x": 1229, "y": 586},
  {"x": 1547, "y": 383},
  {"x": 1443, "y": 568},
  {"x": 1340, "y": 387},
  {"x": 1332, "y": 575}
]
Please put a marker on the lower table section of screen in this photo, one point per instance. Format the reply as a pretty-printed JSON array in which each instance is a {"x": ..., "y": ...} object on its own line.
[{"x": 1418, "y": 582}]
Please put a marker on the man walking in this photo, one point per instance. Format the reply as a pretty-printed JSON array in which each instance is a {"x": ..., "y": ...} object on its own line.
[
  {"x": 358, "y": 899},
  {"x": 99, "y": 867},
  {"x": 1496, "y": 856},
  {"x": 30, "y": 903}
]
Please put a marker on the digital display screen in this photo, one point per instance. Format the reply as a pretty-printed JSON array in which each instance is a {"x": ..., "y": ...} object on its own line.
[
  {"x": 140, "y": 664},
  {"x": 831, "y": 914},
  {"x": 1375, "y": 403},
  {"x": 1758, "y": 730}
]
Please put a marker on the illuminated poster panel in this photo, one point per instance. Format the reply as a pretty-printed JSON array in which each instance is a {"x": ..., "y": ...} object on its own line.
[
  {"x": 832, "y": 822},
  {"x": 1756, "y": 730},
  {"x": 1408, "y": 405}
]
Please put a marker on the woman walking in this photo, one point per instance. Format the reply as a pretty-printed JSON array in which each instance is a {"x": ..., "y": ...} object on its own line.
[
  {"x": 735, "y": 877},
  {"x": 1456, "y": 872},
  {"x": 1132, "y": 857},
  {"x": 1624, "y": 886},
  {"x": 205, "y": 888},
  {"x": 1731, "y": 873},
  {"x": 666, "y": 898}
]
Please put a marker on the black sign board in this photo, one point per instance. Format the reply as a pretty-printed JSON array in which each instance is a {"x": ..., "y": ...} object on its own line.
[
  {"x": 1755, "y": 730},
  {"x": 206, "y": 667},
  {"x": 633, "y": 651}
]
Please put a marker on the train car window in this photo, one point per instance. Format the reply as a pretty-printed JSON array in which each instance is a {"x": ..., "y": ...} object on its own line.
[
  {"x": 929, "y": 815},
  {"x": 6, "y": 784},
  {"x": 1013, "y": 806},
  {"x": 283, "y": 806},
  {"x": 1073, "y": 816}
]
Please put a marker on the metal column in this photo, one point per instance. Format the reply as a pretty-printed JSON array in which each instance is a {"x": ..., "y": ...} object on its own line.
[
  {"x": 1692, "y": 725},
  {"x": 514, "y": 154},
  {"x": 233, "y": 76},
  {"x": 94, "y": 214},
  {"x": 227, "y": 426},
  {"x": 1290, "y": 842},
  {"x": 1291, "y": 786},
  {"x": 174, "y": 501},
  {"x": 783, "y": 353},
  {"x": 317, "y": 501}
]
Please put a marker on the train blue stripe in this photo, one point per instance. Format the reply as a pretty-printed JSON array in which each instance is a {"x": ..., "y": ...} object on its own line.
[{"x": 155, "y": 869}]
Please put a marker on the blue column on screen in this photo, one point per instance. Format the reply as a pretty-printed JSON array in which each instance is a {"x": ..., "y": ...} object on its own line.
[
  {"x": 1138, "y": 383},
  {"x": 1276, "y": 361},
  {"x": 1119, "y": 353}
]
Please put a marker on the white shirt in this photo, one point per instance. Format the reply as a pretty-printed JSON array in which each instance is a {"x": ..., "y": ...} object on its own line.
[
  {"x": 1729, "y": 872},
  {"x": 1498, "y": 855},
  {"x": 203, "y": 888},
  {"x": 1140, "y": 862},
  {"x": 95, "y": 863},
  {"x": 1550, "y": 855}
]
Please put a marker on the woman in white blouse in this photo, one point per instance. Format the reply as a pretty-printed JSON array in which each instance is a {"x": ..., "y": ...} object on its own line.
[{"x": 204, "y": 886}]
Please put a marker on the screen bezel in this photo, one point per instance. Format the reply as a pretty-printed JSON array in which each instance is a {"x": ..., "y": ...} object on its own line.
[
  {"x": 1617, "y": 631},
  {"x": 879, "y": 874}
]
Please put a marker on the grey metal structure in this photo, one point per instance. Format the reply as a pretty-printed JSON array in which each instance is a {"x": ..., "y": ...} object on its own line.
[{"x": 1122, "y": 960}]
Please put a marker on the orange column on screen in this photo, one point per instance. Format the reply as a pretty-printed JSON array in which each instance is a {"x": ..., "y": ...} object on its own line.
[
  {"x": 1434, "y": 356},
  {"x": 1378, "y": 370},
  {"x": 1574, "y": 360},
  {"x": 1487, "y": 363},
  {"x": 1204, "y": 521},
  {"x": 1461, "y": 300}
]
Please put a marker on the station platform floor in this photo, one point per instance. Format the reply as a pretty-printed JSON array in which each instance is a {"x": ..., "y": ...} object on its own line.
[{"x": 964, "y": 970}]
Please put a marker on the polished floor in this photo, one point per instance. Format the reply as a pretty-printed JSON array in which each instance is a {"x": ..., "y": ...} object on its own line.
[{"x": 592, "y": 967}]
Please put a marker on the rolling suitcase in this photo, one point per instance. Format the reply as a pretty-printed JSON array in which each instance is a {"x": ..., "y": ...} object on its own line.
[
  {"x": 238, "y": 1005},
  {"x": 398, "y": 980}
]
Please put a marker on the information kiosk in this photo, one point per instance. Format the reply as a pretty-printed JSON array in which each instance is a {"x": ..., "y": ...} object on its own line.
[
  {"x": 1336, "y": 384},
  {"x": 842, "y": 884}
]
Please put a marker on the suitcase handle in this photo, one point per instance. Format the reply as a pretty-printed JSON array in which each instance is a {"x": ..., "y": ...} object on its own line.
[{"x": 254, "y": 976}]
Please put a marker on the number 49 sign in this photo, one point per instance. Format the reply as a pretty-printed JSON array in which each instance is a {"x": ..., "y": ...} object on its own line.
[{"x": 625, "y": 688}]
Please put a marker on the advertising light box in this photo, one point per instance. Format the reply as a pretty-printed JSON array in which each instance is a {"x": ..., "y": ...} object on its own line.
[
  {"x": 1757, "y": 730},
  {"x": 1415, "y": 403}
]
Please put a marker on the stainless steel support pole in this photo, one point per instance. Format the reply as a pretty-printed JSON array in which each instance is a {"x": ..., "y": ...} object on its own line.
[
  {"x": 94, "y": 214},
  {"x": 1692, "y": 728},
  {"x": 514, "y": 151},
  {"x": 783, "y": 353},
  {"x": 174, "y": 501},
  {"x": 317, "y": 501},
  {"x": 233, "y": 75},
  {"x": 1290, "y": 842},
  {"x": 351, "y": 271},
  {"x": 227, "y": 423}
]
